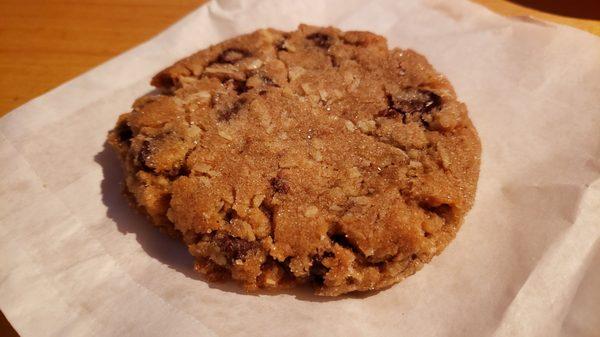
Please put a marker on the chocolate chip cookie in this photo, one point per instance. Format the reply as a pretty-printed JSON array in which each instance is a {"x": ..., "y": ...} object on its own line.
[{"x": 314, "y": 157}]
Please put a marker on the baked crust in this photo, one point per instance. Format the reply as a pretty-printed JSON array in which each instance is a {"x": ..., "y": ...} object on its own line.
[{"x": 314, "y": 156}]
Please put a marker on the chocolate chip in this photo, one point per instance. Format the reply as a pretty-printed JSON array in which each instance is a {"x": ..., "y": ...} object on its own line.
[
  {"x": 230, "y": 110},
  {"x": 390, "y": 111},
  {"x": 239, "y": 87},
  {"x": 232, "y": 55},
  {"x": 279, "y": 185},
  {"x": 124, "y": 132},
  {"x": 182, "y": 170},
  {"x": 163, "y": 80},
  {"x": 342, "y": 239},
  {"x": 235, "y": 248},
  {"x": 321, "y": 40},
  {"x": 230, "y": 214},
  {"x": 412, "y": 104},
  {"x": 317, "y": 271},
  {"x": 143, "y": 155}
]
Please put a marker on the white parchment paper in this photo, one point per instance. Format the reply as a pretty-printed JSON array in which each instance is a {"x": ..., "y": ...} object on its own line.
[{"x": 75, "y": 260}]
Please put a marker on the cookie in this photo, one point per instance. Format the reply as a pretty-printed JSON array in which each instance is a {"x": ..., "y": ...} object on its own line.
[{"x": 314, "y": 157}]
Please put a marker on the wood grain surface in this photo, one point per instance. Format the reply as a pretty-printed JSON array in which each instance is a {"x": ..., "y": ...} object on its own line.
[{"x": 44, "y": 43}]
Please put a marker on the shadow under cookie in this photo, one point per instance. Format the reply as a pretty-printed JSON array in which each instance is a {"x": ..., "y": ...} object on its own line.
[{"x": 167, "y": 250}]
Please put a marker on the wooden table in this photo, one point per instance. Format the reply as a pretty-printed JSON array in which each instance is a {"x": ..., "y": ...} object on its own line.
[{"x": 44, "y": 43}]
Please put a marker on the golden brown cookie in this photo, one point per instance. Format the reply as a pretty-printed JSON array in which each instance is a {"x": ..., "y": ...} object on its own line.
[{"x": 316, "y": 156}]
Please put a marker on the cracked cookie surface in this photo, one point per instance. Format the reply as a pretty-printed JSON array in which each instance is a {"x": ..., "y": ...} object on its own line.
[{"x": 314, "y": 156}]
